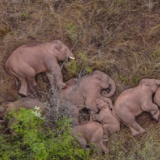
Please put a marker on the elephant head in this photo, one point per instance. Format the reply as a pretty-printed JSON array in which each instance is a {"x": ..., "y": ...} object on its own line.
[
  {"x": 152, "y": 84},
  {"x": 61, "y": 51},
  {"x": 105, "y": 82}
]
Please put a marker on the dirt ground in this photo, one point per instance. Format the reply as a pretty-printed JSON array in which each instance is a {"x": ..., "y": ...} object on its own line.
[{"x": 118, "y": 37}]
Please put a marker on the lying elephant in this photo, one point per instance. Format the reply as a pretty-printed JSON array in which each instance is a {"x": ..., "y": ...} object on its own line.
[
  {"x": 26, "y": 103},
  {"x": 109, "y": 122},
  {"x": 157, "y": 97},
  {"x": 132, "y": 102},
  {"x": 90, "y": 132},
  {"x": 27, "y": 61},
  {"x": 84, "y": 92}
]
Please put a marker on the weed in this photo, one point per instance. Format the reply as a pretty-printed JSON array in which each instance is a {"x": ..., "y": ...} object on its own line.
[
  {"x": 35, "y": 141},
  {"x": 123, "y": 78}
]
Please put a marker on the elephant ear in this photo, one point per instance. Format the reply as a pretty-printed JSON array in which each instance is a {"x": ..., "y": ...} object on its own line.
[
  {"x": 97, "y": 75},
  {"x": 56, "y": 44},
  {"x": 148, "y": 84},
  {"x": 144, "y": 82}
]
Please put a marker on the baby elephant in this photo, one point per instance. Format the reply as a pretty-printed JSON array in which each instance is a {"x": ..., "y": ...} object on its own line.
[
  {"x": 90, "y": 132},
  {"x": 27, "y": 61},
  {"x": 109, "y": 122}
]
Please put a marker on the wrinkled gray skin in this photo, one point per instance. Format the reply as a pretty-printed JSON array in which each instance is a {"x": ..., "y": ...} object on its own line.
[
  {"x": 27, "y": 61},
  {"x": 90, "y": 132},
  {"x": 83, "y": 93},
  {"x": 109, "y": 122},
  {"x": 26, "y": 103},
  {"x": 132, "y": 102}
]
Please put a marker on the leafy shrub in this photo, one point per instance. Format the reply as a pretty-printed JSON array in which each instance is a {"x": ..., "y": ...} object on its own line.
[{"x": 35, "y": 140}]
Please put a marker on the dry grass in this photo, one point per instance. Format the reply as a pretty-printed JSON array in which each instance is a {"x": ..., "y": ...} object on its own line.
[{"x": 119, "y": 37}]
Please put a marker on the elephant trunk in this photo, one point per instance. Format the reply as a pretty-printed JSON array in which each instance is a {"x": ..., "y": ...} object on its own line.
[
  {"x": 70, "y": 55},
  {"x": 112, "y": 86}
]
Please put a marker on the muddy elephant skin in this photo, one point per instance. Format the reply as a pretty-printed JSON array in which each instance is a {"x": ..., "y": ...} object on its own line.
[
  {"x": 27, "y": 61},
  {"x": 132, "y": 102}
]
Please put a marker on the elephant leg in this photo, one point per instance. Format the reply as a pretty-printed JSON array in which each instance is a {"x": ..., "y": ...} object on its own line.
[
  {"x": 24, "y": 87},
  {"x": 31, "y": 84},
  {"x": 91, "y": 113},
  {"x": 156, "y": 116},
  {"x": 54, "y": 70},
  {"x": 82, "y": 141},
  {"x": 152, "y": 109},
  {"x": 134, "y": 132},
  {"x": 52, "y": 81},
  {"x": 74, "y": 112},
  {"x": 134, "y": 125},
  {"x": 98, "y": 141},
  {"x": 129, "y": 119},
  {"x": 105, "y": 132}
]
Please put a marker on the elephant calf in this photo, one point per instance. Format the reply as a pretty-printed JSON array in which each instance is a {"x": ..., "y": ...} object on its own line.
[
  {"x": 109, "y": 122},
  {"x": 90, "y": 132}
]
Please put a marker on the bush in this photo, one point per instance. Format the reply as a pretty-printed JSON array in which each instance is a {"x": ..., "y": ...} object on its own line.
[{"x": 35, "y": 140}]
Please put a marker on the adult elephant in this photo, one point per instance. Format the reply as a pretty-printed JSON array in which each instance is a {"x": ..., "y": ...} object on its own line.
[
  {"x": 83, "y": 92},
  {"x": 28, "y": 60},
  {"x": 132, "y": 102}
]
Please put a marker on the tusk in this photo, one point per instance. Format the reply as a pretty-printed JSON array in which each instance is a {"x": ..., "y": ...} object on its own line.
[{"x": 72, "y": 57}]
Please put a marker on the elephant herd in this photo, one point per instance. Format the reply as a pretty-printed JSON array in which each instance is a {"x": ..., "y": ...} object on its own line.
[{"x": 91, "y": 92}]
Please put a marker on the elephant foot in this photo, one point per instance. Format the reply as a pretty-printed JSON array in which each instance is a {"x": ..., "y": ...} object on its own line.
[
  {"x": 105, "y": 138},
  {"x": 62, "y": 85},
  {"x": 23, "y": 93},
  {"x": 134, "y": 132},
  {"x": 156, "y": 116},
  {"x": 137, "y": 133}
]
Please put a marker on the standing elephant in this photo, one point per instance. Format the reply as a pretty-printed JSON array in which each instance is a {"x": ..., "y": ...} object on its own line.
[
  {"x": 27, "y": 61},
  {"x": 84, "y": 92},
  {"x": 132, "y": 102},
  {"x": 90, "y": 132}
]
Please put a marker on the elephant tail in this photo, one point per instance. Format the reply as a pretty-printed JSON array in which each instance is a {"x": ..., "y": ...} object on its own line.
[{"x": 11, "y": 75}]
